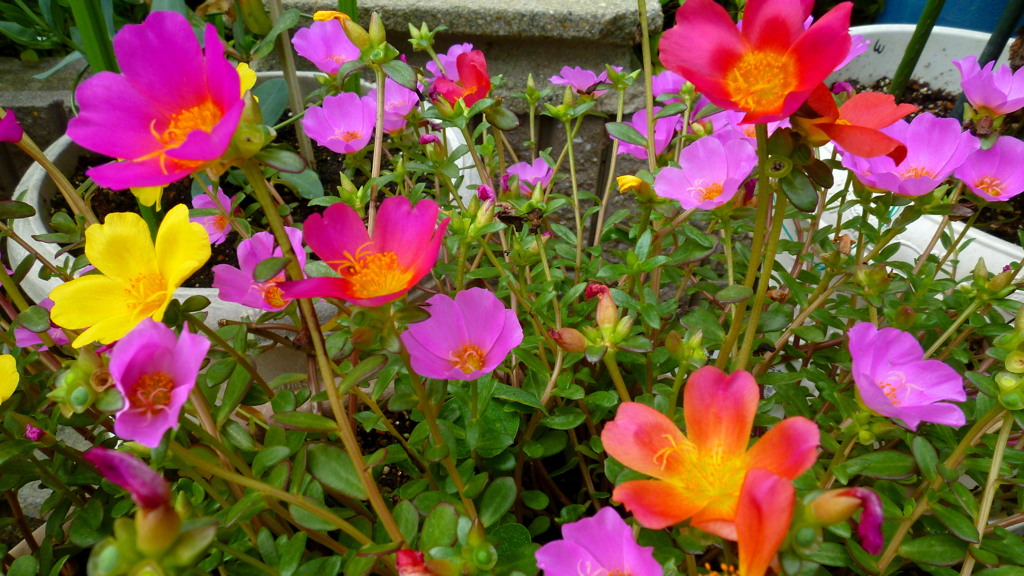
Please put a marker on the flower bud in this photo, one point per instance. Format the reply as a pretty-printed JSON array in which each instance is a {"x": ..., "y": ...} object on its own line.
[
  {"x": 607, "y": 311},
  {"x": 1007, "y": 381},
  {"x": 1015, "y": 362},
  {"x": 356, "y": 33},
  {"x": 835, "y": 506},
  {"x": 845, "y": 244},
  {"x": 569, "y": 339},
  {"x": 156, "y": 529},
  {"x": 641, "y": 188},
  {"x": 377, "y": 34}
]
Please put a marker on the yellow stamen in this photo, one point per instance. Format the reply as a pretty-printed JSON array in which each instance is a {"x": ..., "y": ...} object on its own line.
[
  {"x": 990, "y": 185},
  {"x": 761, "y": 80},
  {"x": 710, "y": 192},
  {"x": 373, "y": 274},
  {"x": 152, "y": 392},
  {"x": 146, "y": 292},
  {"x": 202, "y": 117},
  {"x": 272, "y": 295},
  {"x": 723, "y": 570},
  {"x": 712, "y": 475},
  {"x": 892, "y": 386},
  {"x": 917, "y": 172},
  {"x": 349, "y": 136},
  {"x": 469, "y": 358}
]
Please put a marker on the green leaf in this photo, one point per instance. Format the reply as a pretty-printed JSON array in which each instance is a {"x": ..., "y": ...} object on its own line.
[
  {"x": 408, "y": 520},
  {"x": 734, "y": 293},
  {"x": 887, "y": 465},
  {"x": 497, "y": 500},
  {"x": 281, "y": 160},
  {"x": 306, "y": 421},
  {"x": 798, "y": 188},
  {"x": 935, "y": 550},
  {"x": 961, "y": 526},
  {"x": 439, "y": 527},
  {"x": 268, "y": 457},
  {"x": 13, "y": 448},
  {"x": 564, "y": 418},
  {"x": 400, "y": 72},
  {"x": 361, "y": 372},
  {"x": 35, "y": 319},
  {"x": 306, "y": 183},
  {"x": 286, "y": 20},
  {"x": 24, "y": 566},
  {"x": 626, "y": 133},
  {"x": 273, "y": 99},
  {"x": 927, "y": 458},
  {"x": 332, "y": 467},
  {"x": 12, "y": 209},
  {"x": 269, "y": 268},
  {"x": 672, "y": 109}
]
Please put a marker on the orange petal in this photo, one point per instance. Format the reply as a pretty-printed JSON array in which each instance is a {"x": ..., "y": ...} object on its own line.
[
  {"x": 720, "y": 410},
  {"x": 644, "y": 439},
  {"x": 788, "y": 449},
  {"x": 861, "y": 141},
  {"x": 874, "y": 110},
  {"x": 762, "y": 521},
  {"x": 656, "y": 504}
]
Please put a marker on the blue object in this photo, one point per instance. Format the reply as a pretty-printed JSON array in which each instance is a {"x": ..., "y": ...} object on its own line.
[{"x": 981, "y": 15}]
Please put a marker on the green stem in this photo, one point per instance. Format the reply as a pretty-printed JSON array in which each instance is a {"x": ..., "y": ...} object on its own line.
[
  {"x": 235, "y": 354},
  {"x": 378, "y": 151},
  {"x": 960, "y": 319},
  {"x": 575, "y": 200},
  {"x": 929, "y": 16},
  {"x": 613, "y": 371},
  {"x": 611, "y": 184},
  {"x": 348, "y": 437},
  {"x": 990, "y": 488},
  {"x": 291, "y": 78},
  {"x": 763, "y": 281},
  {"x": 645, "y": 51},
  {"x": 244, "y": 558}
]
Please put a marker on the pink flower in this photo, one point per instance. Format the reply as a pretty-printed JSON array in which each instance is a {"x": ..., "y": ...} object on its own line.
[
  {"x": 664, "y": 130},
  {"x": 376, "y": 269},
  {"x": 710, "y": 171},
  {"x": 935, "y": 148},
  {"x": 996, "y": 92},
  {"x": 399, "y": 101},
  {"x": 530, "y": 175},
  {"x": 995, "y": 174},
  {"x": 447, "y": 60},
  {"x": 601, "y": 544},
  {"x": 581, "y": 80},
  {"x": 10, "y": 129},
  {"x": 237, "y": 284},
  {"x": 217, "y": 226},
  {"x": 464, "y": 338},
  {"x": 155, "y": 371},
  {"x": 168, "y": 113},
  {"x": 733, "y": 120},
  {"x": 667, "y": 82},
  {"x": 23, "y": 337},
  {"x": 325, "y": 44},
  {"x": 895, "y": 381},
  {"x": 343, "y": 124},
  {"x": 149, "y": 490}
]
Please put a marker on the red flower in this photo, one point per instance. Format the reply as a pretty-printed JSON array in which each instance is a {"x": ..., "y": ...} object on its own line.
[
  {"x": 766, "y": 70},
  {"x": 855, "y": 125},
  {"x": 474, "y": 83}
]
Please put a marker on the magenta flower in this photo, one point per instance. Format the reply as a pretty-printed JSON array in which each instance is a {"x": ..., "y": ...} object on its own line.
[
  {"x": 168, "y": 113},
  {"x": 23, "y": 337},
  {"x": 664, "y": 130},
  {"x": 217, "y": 226},
  {"x": 34, "y": 434},
  {"x": 344, "y": 124},
  {"x": 995, "y": 174},
  {"x": 10, "y": 129},
  {"x": 580, "y": 79},
  {"x": 148, "y": 488},
  {"x": 399, "y": 101},
  {"x": 530, "y": 175},
  {"x": 447, "y": 60},
  {"x": 667, "y": 82},
  {"x": 895, "y": 381},
  {"x": 601, "y": 544},
  {"x": 155, "y": 371},
  {"x": 995, "y": 92},
  {"x": 325, "y": 44},
  {"x": 237, "y": 284},
  {"x": 464, "y": 338},
  {"x": 710, "y": 171},
  {"x": 935, "y": 148}
]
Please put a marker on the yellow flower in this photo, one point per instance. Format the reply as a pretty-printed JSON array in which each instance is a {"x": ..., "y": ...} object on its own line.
[
  {"x": 8, "y": 376},
  {"x": 137, "y": 279}
]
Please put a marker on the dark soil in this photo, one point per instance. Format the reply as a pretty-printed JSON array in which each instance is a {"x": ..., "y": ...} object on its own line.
[{"x": 1001, "y": 219}]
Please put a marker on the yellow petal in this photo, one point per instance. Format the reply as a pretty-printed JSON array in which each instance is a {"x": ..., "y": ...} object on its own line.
[
  {"x": 182, "y": 247},
  {"x": 324, "y": 15},
  {"x": 247, "y": 77},
  {"x": 94, "y": 302},
  {"x": 121, "y": 248},
  {"x": 8, "y": 376},
  {"x": 149, "y": 195}
]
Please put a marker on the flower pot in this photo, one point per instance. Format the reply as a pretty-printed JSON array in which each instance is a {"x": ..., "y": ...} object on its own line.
[
  {"x": 968, "y": 14},
  {"x": 888, "y": 43}
]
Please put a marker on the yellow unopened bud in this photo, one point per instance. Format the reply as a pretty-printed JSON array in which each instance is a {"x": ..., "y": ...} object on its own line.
[
  {"x": 325, "y": 15},
  {"x": 833, "y": 507},
  {"x": 246, "y": 76},
  {"x": 628, "y": 183},
  {"x": 149, "y": 195}
]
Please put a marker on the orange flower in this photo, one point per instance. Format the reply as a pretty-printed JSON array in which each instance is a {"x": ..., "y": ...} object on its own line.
[
  {"x": 766, "y": 70},
  {"x": 855, "y": 125},
  {"x": 700, "y": 476}
]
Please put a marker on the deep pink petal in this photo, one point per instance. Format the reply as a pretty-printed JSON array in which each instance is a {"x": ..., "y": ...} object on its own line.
[
  {"x": 773, "y": 24},
  {"x": 704, "y": 62},
  {"x": 483, "y": 315},
  {"x": 339, "y": 231},
  {"x": 131, "y": 174},
  {"x": 149, "y": 490},
  {"x": 10, "y": 129},
  {"x": 98, "y": 97},
  {"x": 166, "y": 76}
]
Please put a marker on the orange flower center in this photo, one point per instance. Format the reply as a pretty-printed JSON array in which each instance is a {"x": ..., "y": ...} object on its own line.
[
  {"x": 220, "y": 222},
  {"x": 761, "y": 79},
  {"x": 146, "y": 292},
  {"x": 272, "y": 295},
  {"x": 709, "y": 192},
  {"x": 469, "y": 358},
  {"x": 713, "y": 476},
  {"x": 202, "y": 117},
  {"x": 374, "y": 274},
  {"x": 916, "y": 172},
  {"x": 723, "y": 570},
  {"x": 152, "y": 392},
  {"x": 349, "y": 136},
  {"x": 892, "y": 386},
  {"x": 990, "y": 185}
]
